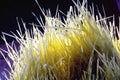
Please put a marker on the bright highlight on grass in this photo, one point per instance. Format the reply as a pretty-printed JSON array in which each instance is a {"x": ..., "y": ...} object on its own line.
[{"x": 82, "y": 47}]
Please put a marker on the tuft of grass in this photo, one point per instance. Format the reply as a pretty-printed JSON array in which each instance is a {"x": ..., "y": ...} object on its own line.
[{"x": 82, "y": 47}]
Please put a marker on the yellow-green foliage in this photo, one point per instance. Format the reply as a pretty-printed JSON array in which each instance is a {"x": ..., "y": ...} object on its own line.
[{"x": 78, "y": 48}]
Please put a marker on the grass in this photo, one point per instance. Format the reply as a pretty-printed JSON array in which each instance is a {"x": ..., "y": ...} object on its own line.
[{"x": 82, "y": 47}]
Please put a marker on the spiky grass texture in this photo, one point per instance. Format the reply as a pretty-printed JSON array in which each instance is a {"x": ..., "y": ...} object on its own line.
[{"x": 82, "y": 47}]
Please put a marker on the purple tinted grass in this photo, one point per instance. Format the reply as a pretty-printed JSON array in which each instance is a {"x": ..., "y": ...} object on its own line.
[{"x": 3, "y": 64}]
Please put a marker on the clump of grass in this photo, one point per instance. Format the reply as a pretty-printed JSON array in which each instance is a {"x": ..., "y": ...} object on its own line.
[{"x": 82, "y": 47}]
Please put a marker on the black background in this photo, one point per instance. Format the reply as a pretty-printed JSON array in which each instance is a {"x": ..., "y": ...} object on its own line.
[{"x": 10, "y": 9}]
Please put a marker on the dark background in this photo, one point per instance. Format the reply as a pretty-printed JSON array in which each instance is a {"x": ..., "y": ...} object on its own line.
[{"x": 10, "y": 9}]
